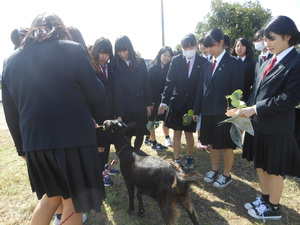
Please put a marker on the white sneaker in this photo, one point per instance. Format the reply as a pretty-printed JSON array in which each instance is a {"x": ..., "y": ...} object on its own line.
[
  {"x": 57, "y": 221},
  {"x": 168, "y": 142}
]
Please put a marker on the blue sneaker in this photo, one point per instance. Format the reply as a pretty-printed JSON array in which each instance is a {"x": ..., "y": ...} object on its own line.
[
  {"x": 107, "y": 181},
  {"x": 159, "y": 147},
  {"x": 112, "y": 171},
  {"x": 181, "y": 167},
  {"x": 148, "y": 142},
  {"x": 189, "y": 163}
]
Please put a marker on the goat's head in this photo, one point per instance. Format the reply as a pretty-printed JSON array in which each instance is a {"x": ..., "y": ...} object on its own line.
[{"x": 113, "y": 127}]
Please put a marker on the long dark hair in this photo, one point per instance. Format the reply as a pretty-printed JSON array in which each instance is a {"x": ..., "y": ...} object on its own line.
[
  {"x": 282, "y": 25},
  {"x": 102, "y": 45},
  {"x": 123, "y": 43},
  {"x": 247, "y": 44},
  {"x": 46, "y": 26},
  {"x": 216, "y": 35},
  {"x": 161, "y": 51}
]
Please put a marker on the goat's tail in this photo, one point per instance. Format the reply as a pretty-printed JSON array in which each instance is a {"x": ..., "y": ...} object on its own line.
[
  {"x": 186, "y": 178},
  {"x": 192, "y": 178}
]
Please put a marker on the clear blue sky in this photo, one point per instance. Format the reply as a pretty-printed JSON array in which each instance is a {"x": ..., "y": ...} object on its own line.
[{"x": 140, "y": 20}]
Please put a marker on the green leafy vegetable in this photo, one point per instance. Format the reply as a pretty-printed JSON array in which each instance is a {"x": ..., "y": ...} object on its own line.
[
  {"x": 187, "y": 118},
  {"x": 152, "y": 125},
  {"x": 236, "y": 97}
]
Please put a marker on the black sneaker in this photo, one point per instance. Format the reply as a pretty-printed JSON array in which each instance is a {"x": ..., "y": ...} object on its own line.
[
  {"x": 222, "y": 181},
  {"x": 159, "y": 147},
  {"x": 189, "y": 163},
  {"x": 253, "y": 205},
  {"x": 265, "y": 212},
  {"x": 210, "y": 176}
]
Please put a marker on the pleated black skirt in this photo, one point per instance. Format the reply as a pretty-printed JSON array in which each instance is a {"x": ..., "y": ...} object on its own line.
[
  {"x": 71, "y": 173},
  {"x": 275, "y": 154},
  {"x": 215, "y": 134},
  {"x": 140, "y": 118},
  {"x": 174, "y": 120}
]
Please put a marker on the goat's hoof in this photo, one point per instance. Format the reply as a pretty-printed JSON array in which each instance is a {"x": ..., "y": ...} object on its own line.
[
  {"x": 141, "y": 213},
  {"x": 129, "y": 212}
]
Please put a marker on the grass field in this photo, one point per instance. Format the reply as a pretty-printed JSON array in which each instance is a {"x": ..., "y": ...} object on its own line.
[{"x": 214, "y": 206}]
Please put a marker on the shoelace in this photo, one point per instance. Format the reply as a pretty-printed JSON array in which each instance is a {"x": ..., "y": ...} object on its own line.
[
  {"x": 258, "y": 201},
  {"x": 261, "y": 210},
  {"x": 221, "y": 179}
]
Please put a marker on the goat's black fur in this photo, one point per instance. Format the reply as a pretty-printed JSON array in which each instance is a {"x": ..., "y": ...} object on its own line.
[{"x": 152, "y": 176}]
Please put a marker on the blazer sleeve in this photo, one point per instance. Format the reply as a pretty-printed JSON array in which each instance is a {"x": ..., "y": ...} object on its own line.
[
  {"x": 148, "y": 97},
  {"x": 199, "y": 95},
  {"x": 12, "y": 118},
  {"x": 92, "y": 87}
]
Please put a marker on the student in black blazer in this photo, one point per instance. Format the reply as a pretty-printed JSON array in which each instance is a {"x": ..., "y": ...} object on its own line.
[
  {"x": 131, "y": 87},
  {"x": 242, "y": 49},
  {"x": 47, "y": 85},
  {"x": 103, "y": 62},
  {"x": 157, "y": 74},
  {"x": 179, "y": 95},
  {"x": 218, "y": 78},
  {"x": 276, "y": 93}
]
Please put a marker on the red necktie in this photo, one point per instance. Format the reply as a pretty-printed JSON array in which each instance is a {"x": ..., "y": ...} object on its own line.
[
  {"x": 104, "y": 72},
  {"x": 264, "y": 58},
  {"x": 130, "y": 67},
  {"x": 213, "y": 66},
  {"x": 188, "y": 66},
  {"x": 269, "y": 67}
]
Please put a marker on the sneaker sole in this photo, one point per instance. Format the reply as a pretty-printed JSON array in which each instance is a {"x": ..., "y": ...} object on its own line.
[
  {"x": 113, "y": 174},
  {"x": 188, "y": 167},
  {"x": 222, "y": 185},
  {"x": 248, "y": 206},
  {"x": 107, "y": 185},
  {"x": 254, "y": 215},
  {"x": 208, "y": 180}
]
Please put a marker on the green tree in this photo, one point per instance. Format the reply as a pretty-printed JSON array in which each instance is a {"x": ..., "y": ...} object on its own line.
[{"x": 235, "y": 19}]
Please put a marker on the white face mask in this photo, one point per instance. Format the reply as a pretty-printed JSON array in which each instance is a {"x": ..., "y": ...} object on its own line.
[
  {"x": 259, "y": 46},
  {"x": 189, "y": 54}
]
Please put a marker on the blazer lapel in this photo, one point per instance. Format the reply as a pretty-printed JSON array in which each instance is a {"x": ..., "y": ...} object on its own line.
[
  {"x": 127, "y": 71},
  {"x": 279, "y": 67},
  {"x": 221, "y": 65}
]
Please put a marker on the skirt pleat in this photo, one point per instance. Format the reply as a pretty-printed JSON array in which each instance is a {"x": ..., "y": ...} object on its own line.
[
  {"x": 275, "y": 154},
  {"x": 71, "y": 173},
  {"x": 215, "y": 134}
]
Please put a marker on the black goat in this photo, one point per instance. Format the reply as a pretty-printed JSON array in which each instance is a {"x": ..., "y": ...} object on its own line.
[{"x": 152, "y": 176}]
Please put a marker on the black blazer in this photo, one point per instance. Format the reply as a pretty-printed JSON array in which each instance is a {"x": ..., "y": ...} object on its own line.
[
  {"x": 181, "y": 89},
  {"x": 157, "y": 80},
  {"x": 228, "y": 77},
  {"x": 248, "y": 77},
  {"x": 46, "y": 88},
  {"x": 132, "y": 92},
  {"x": 107, "y": 106},
  {"x": 277, "y": 96}
]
